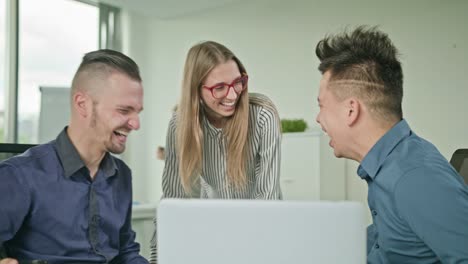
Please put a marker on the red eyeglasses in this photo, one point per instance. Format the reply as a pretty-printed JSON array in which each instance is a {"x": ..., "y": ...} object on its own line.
[{"x": 221, "y": 90}]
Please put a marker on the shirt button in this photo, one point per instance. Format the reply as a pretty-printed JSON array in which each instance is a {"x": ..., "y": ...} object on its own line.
[
  {"x": 377, "y": 246},
  {"x": 95, "y": 219},
  {"x": 374, "y": 212}
]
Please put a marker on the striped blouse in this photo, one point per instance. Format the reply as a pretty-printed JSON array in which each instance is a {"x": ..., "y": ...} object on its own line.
[{"x": 263, "y": 174}]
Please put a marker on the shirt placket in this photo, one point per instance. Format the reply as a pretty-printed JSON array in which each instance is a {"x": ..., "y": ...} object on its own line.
[
  {"x": 94, "y": 220},
  {"x": 373, "y": 210}
]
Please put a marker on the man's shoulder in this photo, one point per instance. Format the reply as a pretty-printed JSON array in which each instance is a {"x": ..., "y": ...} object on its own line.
[
  {"x": 421, "y": 163},
  {"x": 415, "y": 152},
  {"x": 413, "y": 157},
  {"x": 32, "y": 157}
]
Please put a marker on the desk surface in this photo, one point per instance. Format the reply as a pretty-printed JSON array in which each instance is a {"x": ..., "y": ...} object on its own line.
[{"x": 143, "y": 211}]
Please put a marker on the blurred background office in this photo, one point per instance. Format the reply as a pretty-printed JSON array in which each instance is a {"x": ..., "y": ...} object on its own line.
[{"x": 43, "y": 41}]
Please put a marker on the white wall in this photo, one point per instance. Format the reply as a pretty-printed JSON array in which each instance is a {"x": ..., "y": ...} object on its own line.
[{"x": 276, "y": 42}]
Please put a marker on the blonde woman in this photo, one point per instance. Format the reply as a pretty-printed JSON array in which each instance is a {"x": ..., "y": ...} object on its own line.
[{"x": 222, "y": 142}]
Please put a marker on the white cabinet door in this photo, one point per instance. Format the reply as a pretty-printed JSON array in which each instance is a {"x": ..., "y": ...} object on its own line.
[{"x": 300, "y": 166}]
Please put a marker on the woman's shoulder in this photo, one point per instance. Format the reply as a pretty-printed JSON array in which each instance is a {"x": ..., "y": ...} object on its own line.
[
  {"x": 173, "y": 120},
  {"x": 259, "y": 99},
  {"x": 261, "y": 103}
]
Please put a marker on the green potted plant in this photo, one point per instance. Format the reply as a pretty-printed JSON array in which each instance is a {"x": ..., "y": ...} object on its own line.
[{"x": 293, "y": 125}]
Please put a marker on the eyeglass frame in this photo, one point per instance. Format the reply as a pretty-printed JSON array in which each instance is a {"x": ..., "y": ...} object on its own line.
[{"x": 243, "y": 78}]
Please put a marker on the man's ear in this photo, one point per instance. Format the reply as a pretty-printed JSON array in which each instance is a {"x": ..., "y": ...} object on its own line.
[
  {"x": 81, "y": 102},
  {"x": 354, "y": 107}
]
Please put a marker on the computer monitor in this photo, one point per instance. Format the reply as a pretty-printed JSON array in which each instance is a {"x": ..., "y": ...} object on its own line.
[
  {"x": 8, "y": 150},
  {"x": 459, "y": 161},
  {"x": 260, "y": 232}
]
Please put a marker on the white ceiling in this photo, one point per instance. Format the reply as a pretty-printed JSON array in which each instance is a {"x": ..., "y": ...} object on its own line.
[{"x": 166, "y": 8}]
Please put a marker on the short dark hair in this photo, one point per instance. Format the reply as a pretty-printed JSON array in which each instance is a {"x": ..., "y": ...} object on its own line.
[
  {"x": 113, "y": 59},
  {"x": 367, "y": 58}
]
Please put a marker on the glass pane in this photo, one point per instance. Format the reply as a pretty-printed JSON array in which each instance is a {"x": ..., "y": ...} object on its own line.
[
  {"x": 51, "y": 45},
  {"x": 2, "y": 66}
]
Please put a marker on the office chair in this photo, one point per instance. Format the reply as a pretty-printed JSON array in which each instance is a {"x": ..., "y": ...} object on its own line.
[
  {"x": 8, "y": 150},
  {"x": 14, "y": 148},
  {"x": 459, "y": 161}
]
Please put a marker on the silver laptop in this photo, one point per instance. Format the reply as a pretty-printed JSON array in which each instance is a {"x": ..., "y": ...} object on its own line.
[{"x": 260, "y": 232}]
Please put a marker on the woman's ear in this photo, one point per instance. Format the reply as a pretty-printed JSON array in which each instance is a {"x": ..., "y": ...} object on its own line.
[{"x": 353, "y": 106}]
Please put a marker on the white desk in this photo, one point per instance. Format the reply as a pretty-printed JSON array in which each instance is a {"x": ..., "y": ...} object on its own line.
[{"x": 142, "y": 223}]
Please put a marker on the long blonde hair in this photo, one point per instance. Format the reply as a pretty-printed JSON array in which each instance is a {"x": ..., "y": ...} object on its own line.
[{"x": 201, "y": 59}]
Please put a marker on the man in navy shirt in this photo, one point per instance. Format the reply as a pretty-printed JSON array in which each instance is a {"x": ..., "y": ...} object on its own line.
[
  {"x": 419, "y": 203},
  {"x": 69, "y": 201}
]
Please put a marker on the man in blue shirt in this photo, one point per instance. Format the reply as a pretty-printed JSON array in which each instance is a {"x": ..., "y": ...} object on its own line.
[
  {"x": 70, "y": 200},
  {"x": 419, "y": 203}
]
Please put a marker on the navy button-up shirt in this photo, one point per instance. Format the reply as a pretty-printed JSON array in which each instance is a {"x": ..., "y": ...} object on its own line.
[
  {"x": 418, "y": 202},
  {"x": 51, "y": 209}
]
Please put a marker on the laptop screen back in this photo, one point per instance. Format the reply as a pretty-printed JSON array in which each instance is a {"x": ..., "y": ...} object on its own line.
[{"x": 260, "y": 232}]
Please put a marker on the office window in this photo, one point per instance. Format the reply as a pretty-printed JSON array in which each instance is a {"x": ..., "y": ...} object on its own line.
[
  {"x": 53, "y": 37},
  {"x": 2, "y": 66}
]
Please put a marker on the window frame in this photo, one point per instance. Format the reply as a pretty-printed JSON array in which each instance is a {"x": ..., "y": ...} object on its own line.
[{"x": 109, "y": 38}]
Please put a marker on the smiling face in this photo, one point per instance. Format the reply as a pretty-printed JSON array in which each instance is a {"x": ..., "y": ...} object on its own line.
[
  {"x": 115, "y": 112},
  {"x": 332, "y": 117},
  {"x": 218, "y": 109}
]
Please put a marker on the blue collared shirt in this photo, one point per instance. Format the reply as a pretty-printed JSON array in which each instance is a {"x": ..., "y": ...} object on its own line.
[
  {"x": 51, "y": 209},
  {"x": 418, "y": 202}
]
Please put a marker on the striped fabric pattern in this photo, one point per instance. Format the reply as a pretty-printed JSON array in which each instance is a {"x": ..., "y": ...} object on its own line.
[{"x": 263, "y": 173}]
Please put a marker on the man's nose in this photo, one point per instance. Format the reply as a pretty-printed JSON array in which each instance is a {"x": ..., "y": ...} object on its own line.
[{"x": 134, "y": 122}]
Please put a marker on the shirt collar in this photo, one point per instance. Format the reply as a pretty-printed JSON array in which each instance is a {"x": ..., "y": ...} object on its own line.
[
  {"x": 71, "y": 160},
  {"x": 374, "y": 159},
  {"x": 212, "y": 131}
]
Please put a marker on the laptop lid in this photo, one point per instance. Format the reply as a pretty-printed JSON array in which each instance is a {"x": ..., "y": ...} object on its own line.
[{"x": 260, "y": 232}]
